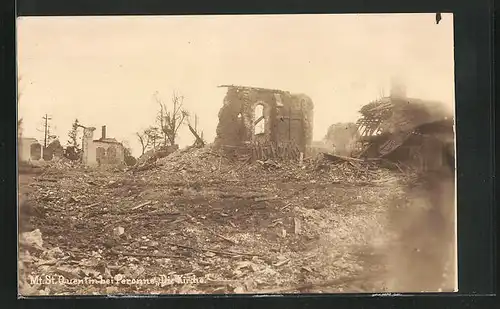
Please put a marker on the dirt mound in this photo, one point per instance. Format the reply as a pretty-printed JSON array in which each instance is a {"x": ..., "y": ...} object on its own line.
[
  {"x": 190, "y": 164},
  {"x": 154, "y": 154},
  {"x": 61, "y": 163}
]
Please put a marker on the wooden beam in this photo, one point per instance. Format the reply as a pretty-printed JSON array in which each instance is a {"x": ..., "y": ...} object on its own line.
[
  {"x": 258, "y": 120},
  {"x": 199, "y": 140},
  {"x": 333, "y": 157},
  {"x": 287, "y": 117}
]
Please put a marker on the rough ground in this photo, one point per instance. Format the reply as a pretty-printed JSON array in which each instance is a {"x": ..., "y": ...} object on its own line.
[{"x": 199, "y": 223}]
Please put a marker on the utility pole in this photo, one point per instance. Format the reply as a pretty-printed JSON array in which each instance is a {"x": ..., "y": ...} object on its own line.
[
  {"x": 46, "y": 129},
  {"x": 47, "y": 136}
]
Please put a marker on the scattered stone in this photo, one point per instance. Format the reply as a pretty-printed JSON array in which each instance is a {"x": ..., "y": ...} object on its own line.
[
  {"x": 32, "y": 238},
  {"x": 118, "y": 231},
  {"x": 112, "y": 290}
]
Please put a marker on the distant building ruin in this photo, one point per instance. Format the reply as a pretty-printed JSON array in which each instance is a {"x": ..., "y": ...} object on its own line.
[
  {"x": 251, "y": 114},
  {"x": 341, "y": 138},
  {"x": 53, "y": 150},
  {"x": 411, "y": 131},
  {"x": 29, "y": 149},
  {"x": 103, "y": 151}
]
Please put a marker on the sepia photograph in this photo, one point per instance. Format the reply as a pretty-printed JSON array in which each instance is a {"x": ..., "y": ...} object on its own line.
[{"x": 236, "y": 154}]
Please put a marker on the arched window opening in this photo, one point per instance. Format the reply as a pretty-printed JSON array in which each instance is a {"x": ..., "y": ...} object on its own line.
[
  {"x": 111, "y": 153},
  {"x": 260, "y": 121}
]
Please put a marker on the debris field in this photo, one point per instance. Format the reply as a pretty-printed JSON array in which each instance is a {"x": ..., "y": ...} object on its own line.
[{"x": 197, "y": 222}]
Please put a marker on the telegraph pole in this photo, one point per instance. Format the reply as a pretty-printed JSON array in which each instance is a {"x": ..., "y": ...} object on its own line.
[{"x": 46, "y": 129}]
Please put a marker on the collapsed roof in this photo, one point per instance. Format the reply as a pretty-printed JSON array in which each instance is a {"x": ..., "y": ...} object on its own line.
[
  {"x": 392, "y": 115},
  {"x": 390, "y": 121}
]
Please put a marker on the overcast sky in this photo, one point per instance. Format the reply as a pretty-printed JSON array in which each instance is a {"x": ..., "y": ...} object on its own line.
[{"x": 105, "y": 70}]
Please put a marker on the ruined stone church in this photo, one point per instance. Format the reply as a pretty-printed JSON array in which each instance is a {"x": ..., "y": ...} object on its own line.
[{"x": 251, "y": 114}]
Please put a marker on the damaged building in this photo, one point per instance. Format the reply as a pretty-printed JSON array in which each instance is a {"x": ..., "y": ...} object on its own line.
[
  {"x": 341, "y": 138},
  {"x": 102, "y": 151},
  {"x": 29, "y": 149},
  {"x": 264, "y": 116},
  {"x": 413, "y": 132}
]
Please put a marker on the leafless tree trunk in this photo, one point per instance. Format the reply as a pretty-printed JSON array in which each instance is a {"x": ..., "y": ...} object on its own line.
[
  {"x": 153, "y": 135},
  {"x": 143, "y": 140},
  {"x": 149, "y": 138},
  {"x": 199, "y": 141},
  {"x": 19, "y": 120},
  {"x": 171, "y": 120},
  {"x": 19, "y": 94},
  {"x": 161, "y": 116}
]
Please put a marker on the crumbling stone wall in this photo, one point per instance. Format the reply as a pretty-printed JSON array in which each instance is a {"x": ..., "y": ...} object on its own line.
[
  {"x": 96, "y": 152},
  {"x": 109, "y": 153},
  {"x": 100, "y": 153},
  {"x": 88, "y": 147},
  {"x": 296, "y": 121},
  {"x": 237, "y": 116},
  {"x": 287, "y": 117}
]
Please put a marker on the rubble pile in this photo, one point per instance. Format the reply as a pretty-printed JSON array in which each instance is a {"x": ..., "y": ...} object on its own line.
[
  {"x": 192, "y": 164},
  {"x": 319, "y": 168},
  {"x": 62, "y": 163},
  {"x": 346, "y": 170},
  {"x": 152, "y": 155},
  {"x": 245, "y": 227},
  {"x": 195, "y": 159}
]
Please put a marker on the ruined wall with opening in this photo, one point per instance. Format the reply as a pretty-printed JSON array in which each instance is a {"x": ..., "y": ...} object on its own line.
[
  {"x": 109, "y": 153},
  {"x": 285, "y": 117}
]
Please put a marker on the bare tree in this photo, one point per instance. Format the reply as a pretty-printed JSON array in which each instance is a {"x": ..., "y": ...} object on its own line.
[
  {"x": 143, "y": 140},
  {"x": 170, "y": 120},
  {"x": 199, "y": 141},
  {"x": 19, "y": 94},
  {"x": 196, "y": 125},
  {"x": 160, "y": 118},
  {"x": 73, "y": 135},
  {"x": 154, "y": 136},
  {"x": 129, "y": 159},
  {"x": 19, "y": 120},
  {"x": 149, "y": 138}
]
